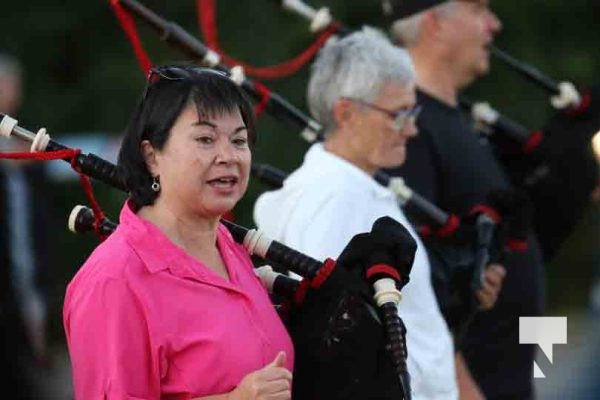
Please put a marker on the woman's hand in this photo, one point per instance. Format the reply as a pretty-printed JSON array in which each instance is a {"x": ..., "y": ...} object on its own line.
[
  {"x": 273, "y": 382},
  {"x": 492, "y": 284}
]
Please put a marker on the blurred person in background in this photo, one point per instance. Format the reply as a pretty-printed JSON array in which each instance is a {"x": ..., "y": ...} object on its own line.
[{"x": 23, "y": 238}]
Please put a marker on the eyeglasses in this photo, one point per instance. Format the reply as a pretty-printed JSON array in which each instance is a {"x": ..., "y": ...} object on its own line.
[
  {"x": 401, "y": 117},
  {"x": 176, "y": 73}
]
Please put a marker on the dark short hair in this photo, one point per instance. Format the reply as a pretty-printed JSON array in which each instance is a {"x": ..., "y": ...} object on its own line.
[{"x": 168, "y": 91}]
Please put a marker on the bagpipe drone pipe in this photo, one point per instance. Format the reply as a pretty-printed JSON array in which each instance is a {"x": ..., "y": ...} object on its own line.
[
  {"x": 555, "y": 165},
  {"x": 343, "y": 319}
]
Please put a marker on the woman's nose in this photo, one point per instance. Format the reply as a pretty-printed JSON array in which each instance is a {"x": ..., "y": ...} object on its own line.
[{"x": 225, "y": 153}]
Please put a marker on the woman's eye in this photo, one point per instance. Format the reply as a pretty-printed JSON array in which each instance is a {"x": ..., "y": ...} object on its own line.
[
  {"x": 205, "y": 139},
  {"x": 240, "y": 141}
]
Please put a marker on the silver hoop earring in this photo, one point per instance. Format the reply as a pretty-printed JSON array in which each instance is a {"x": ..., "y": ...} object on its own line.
[{"x": 155, "y": 185}]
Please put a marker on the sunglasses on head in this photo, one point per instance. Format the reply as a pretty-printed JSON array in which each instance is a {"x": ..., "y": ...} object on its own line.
[{"x": 176, "y": 73}]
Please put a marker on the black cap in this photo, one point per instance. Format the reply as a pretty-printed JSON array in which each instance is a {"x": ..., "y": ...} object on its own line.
[{"x": 398, "y": 9}]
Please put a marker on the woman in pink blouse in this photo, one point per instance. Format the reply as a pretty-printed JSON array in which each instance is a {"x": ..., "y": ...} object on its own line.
[{"x": 169, "y": 307}]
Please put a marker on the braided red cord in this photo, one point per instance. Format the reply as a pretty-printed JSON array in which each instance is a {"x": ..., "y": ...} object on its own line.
[
  {"x": 39, "y": 156},
  {"x": 208, "y": 25},
  {"x": 323, "y": 274},
  {"x": 128, "y": 26}
]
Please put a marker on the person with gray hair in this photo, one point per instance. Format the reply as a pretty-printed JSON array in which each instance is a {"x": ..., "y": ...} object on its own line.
[
  {"x": 449, "y": 45},
  {"x": 362, "y": 89}
]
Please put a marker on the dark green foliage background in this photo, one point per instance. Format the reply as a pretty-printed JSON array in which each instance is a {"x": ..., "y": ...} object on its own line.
[{"x": 82, "y": 76}]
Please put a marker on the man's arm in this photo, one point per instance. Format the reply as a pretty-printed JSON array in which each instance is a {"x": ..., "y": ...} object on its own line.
[{"x": 467, "y": 387}]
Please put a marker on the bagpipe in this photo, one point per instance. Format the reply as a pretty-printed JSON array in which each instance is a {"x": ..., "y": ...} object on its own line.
[
  {"x": 459, "y": 248},
  {"x": 557, "y": 165},
  {"x": 571, "y": 128},
  {"x": 343, "y": 319}
]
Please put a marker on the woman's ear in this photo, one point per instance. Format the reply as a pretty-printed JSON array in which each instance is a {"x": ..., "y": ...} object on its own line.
[
  {"x": 342, "y": 112},
  {"x": 150, "y": 157}
]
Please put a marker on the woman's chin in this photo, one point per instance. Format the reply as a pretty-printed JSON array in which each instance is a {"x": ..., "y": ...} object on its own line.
[{"x": 223, "y": 209}]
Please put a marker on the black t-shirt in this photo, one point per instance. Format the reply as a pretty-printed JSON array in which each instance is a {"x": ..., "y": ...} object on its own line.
[{"x": 453, "y": 167}]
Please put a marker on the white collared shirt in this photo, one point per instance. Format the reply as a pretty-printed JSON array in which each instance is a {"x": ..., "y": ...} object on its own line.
[{"x": 321, "y": 206}]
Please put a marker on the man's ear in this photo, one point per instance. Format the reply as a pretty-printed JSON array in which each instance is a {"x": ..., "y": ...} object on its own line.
[
  {"x": 432, "y": 24},
  {"x": 343, "y": 112},
  {"x": 150, "y": 157}
]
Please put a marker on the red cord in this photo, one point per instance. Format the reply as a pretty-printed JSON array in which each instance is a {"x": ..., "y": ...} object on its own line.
[
  {"x": 323, "y": 274},
  {"x": 208, "y": 25},
  {"x": 450, "y": 227},
  {"x": 584, "y": 104},
  {"x": 487, "y": 210},
  {"x": 85, "y": 181},
  {"x": 265, "y": 95},
  {"x": 533, "y": 141},
  {"x": 128, "y": 26},
  {"x": 38, "y": 156}
]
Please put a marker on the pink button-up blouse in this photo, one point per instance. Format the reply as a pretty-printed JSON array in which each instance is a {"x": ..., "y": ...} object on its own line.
[{"x": 145, "y": 320}]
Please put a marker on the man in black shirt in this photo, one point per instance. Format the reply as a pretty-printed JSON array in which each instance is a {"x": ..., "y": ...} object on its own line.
[{"x": 453, "y": 167}]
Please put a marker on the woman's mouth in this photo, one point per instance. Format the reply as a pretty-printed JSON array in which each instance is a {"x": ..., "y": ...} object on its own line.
[{"x": 223, "y": 182}]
